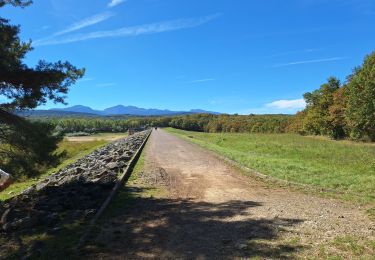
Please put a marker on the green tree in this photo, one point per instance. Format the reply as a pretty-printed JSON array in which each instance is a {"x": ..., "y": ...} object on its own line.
[
  {"x": 360, "y": 111},
  {"x": 337, "y": 114},
  {"x": 317, "y": 120},
  {"x": 26, "y": 87}
]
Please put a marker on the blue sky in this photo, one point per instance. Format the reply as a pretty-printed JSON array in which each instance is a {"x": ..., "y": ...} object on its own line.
[{"x": 242, "y": 56}]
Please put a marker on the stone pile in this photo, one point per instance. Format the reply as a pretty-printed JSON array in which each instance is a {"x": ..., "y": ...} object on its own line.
[{"x": 73, "y": 193}]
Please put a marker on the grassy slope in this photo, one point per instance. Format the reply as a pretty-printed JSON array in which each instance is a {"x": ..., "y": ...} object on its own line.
[
  {"x": 74, "y": 151},
  {"x": 340, "y": 165}
]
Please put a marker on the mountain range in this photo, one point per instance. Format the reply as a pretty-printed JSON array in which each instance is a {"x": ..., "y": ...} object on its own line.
[{"x": 127, "y": 110}]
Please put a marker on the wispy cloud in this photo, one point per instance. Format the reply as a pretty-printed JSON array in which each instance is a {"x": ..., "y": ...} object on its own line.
[
  {"x": 202, "y": 80},
  {"x": 113, "y": 3},
  {"x": 111, "y": 84},
  {"x": 287, "y": 104},
  {"x": 310, "y": 50},
  {"x": 152, "y": 28},
  {"x": 85, "y": 79},
  {"x": 85, "y": 23},
  {"x": 310, "y": 61}
]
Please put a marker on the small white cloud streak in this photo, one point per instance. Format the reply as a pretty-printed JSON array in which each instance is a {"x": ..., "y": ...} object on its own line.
[
  {"x": 152, "y": 28},
  {"x": 296, "y": 52},
  {"x": 310, "y": 61},
  {"x": 287, "y": 104},
  {"x": 85, "y": 79},
  {"x": 113, "y": 3},
  {"x": 106, "y": 84},
  {"x": 85, "y": 23},
  {"x": 202, "y": 80}
]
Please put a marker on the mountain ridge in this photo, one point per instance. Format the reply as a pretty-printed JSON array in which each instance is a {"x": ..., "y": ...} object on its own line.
[{"x": 128, "y": 110}]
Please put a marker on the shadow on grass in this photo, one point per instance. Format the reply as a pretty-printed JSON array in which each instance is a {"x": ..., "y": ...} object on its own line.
[{"x": 170, "y": 228}]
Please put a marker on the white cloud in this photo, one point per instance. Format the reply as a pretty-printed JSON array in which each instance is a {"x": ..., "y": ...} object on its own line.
[
  {"x": 152, "y": 28},
  {"x": 202, "y": 80},
  {"x": 113, "y": 3},
  {"x": 85, "y": 23},
  {"x": 310, "y": 61},
  {"x": 287, "y": 104}
]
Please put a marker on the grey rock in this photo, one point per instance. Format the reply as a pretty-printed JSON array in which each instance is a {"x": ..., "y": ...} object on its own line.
[
  {"x": 74, "y": 192},
  {"x": 113, "y": 165}
]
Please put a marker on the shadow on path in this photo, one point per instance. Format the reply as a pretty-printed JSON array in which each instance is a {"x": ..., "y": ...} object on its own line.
[{"x": 172, "y": 228}]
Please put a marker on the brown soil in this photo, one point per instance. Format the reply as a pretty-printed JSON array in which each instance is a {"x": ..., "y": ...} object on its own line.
[
  {"x": 106, "y": 137},
  {"x": 207, "y": 209}
]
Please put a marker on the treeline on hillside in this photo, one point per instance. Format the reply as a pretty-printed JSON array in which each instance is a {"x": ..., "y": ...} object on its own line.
[
  {"x": 233, "y": 123},
  {"x": 99, "y": 125},
  {"x": 342, "y": 110}
]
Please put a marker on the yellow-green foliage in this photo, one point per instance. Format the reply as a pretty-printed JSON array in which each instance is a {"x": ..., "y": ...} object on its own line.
[{"x": 233, "y": 123}]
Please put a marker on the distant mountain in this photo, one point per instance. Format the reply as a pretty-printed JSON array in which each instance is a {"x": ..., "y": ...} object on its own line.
[
  {"x": 128, "y": 110},
  {"x": 79, "y": 109}
]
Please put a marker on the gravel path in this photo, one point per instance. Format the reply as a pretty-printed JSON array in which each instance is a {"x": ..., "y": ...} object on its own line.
[{"x": 210, "y": 210}]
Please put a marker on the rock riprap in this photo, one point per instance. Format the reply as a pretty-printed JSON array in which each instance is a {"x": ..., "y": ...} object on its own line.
[{"x": 73, "y": 193}]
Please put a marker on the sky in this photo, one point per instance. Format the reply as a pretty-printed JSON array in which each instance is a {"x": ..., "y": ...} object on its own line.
[{"x": 243, "y": 56}]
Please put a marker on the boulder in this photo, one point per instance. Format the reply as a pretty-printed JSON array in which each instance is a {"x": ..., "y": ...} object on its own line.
[{"x": 113, "y": 165}]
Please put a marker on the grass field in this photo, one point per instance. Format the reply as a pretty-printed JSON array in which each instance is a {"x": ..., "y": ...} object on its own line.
[
  {"x": 75, "y": 149},
  {"x": 341, "y": 165}
]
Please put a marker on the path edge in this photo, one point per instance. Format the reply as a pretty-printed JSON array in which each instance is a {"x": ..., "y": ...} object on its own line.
[{"x": 119, "y": 183}]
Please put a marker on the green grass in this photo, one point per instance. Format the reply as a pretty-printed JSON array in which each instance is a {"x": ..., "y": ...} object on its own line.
[
  {"x": 347, "y": 247},
  {"x": 74, "y": 151},
  {"x": 340, "y": 165}
]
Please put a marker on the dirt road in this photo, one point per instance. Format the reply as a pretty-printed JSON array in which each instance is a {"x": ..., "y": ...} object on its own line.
[{"x": 207, "y": 209}]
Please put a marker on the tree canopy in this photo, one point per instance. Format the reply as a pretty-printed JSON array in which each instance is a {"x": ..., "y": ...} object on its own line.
[
  {"x": 342, "y": 110},
  {"x": 25, "y": 144},
  {"x": 360, "y": 110}
]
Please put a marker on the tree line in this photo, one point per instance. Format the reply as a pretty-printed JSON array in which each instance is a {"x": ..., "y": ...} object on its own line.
[
  {"x": 233, "y": 123},
  {"x": 92, "y": 125},
  {"x": 342, "y": 110}
]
